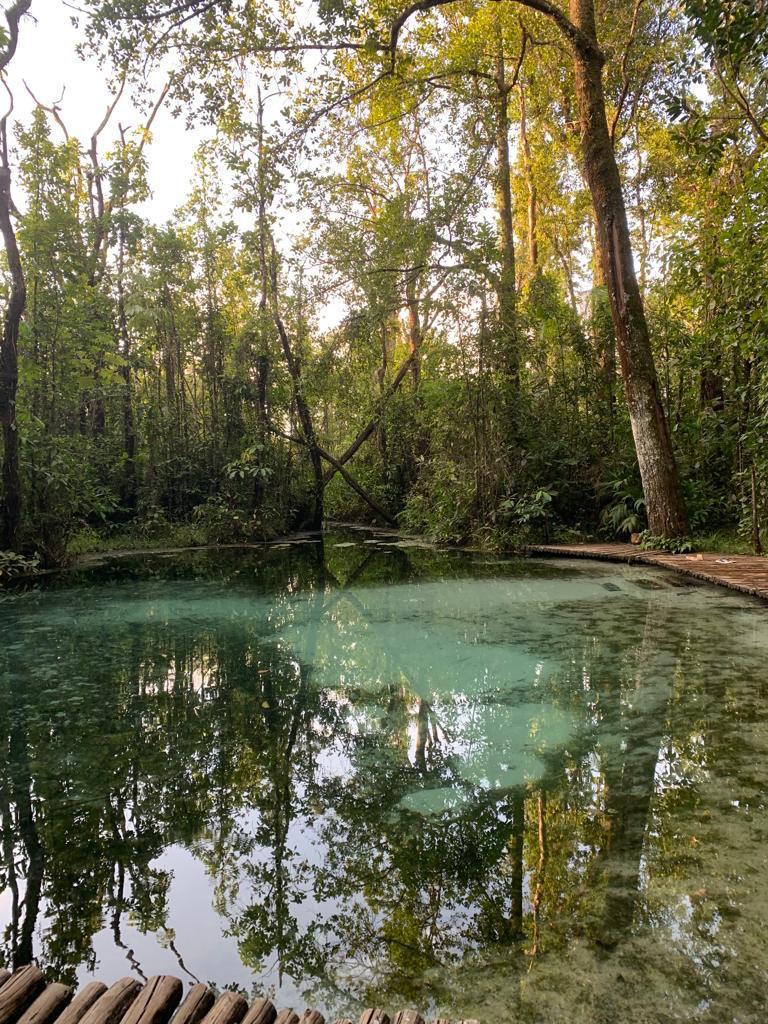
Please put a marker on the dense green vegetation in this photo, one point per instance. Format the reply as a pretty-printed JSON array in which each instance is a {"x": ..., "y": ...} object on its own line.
[{"x": 401, "y": 285}]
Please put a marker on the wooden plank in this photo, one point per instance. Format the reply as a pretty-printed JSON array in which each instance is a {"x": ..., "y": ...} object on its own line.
[
  {"x": 82, "y": 1003},
  {"x": 48, "y": 1005},
  {"x": 110, "y": 1008},
  {"x": 441, "y": 1020},
  {"x": 156, "y": 1002},
  {"x": 19, "y": 991},
  {"x": 4, "y": 975},
  {"x": 311, "y": 1016},
  {"x": 287, "y": 1017},
  {"x": 229, "y": 1008},
  {"x": 408, "y": 1017},
  {"x": 197, "y": 1003},
  {"x": 261, "y": 1012},
  {"x": 374, "y": 1015}
]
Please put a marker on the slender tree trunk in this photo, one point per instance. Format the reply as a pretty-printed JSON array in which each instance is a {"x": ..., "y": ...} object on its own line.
[
  {"x": 415, "y": 336},
  {"x": 565, "y": 263},
  {"x": 661, "y": 484},
  {"x": 506, "y": 288},
  {"x": 371, "y": 425},
  {"x": 604, "y": 339},
  {"x": 270, "y": 296},
  {"x": 9, "y": 365},
  {"x": 530, "y": 182},
  {"x": 10, "y": 505},
  {"x": 129, "y": 423},
  {"x": 642, "y": 223},
  {"x": 293, "y": 363},
  {"x": 757, "y": 542}
]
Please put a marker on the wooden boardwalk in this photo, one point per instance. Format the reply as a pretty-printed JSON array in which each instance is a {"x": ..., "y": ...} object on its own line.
[
  {"x": 747, "y": 573},
  {"x": 26, "y": 998}
]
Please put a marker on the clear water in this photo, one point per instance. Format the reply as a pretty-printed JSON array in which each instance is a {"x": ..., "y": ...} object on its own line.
[{"x": 354, "y": 773}]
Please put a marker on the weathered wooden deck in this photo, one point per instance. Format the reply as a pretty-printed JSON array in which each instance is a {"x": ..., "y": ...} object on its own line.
[
  {"x": 26, "y": 998},
  {"x": 747, "y": 573}
]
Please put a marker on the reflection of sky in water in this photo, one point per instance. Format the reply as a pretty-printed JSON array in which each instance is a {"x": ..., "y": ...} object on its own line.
[{"x": 618, "y": 716}]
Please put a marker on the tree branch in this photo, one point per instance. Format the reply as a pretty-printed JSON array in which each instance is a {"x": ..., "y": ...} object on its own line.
[
  {"x": 580, "y": 41},
  {"x": 53, "y": 110},
  {"x": 13, "y": 16},
  {"x": 371, "y": 425}
]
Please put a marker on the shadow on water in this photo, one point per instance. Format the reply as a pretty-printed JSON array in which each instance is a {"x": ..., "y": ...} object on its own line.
[{"x": 355, "y": 773}]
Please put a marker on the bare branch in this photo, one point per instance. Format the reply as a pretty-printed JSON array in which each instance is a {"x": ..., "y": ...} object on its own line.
[
  {"x": 580, "y": 41},
  {"x": 625, "y": 83},
  {"x": 53, "y": 110}
]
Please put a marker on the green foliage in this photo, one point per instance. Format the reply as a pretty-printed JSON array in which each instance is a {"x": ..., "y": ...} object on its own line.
[
  {"x": 672, "y": 545},
  {"x": 528, "y": 514},
  {"x": 13, "y": 565},
  {"x": 624, "y": 512},
  {"x": 735, "y": 30},
  {"x": 219, "y": 522},
  {"x": 157, "y": 393},
  {"x": 442, "y": 507}
]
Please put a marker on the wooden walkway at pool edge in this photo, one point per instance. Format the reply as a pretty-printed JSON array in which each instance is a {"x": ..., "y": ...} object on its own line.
[
  {"x": 747, "y": 573},
  {"x": 26, "y": 998}
]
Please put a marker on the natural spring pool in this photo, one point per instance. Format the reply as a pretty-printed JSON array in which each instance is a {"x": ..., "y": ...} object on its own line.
[{"x": 357, "y": 771}]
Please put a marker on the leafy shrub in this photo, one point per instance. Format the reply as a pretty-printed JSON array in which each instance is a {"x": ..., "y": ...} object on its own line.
[
  {"x": 672, "y": 545},
  {"x": 13, "y": 565},
  {"x": 249, "y": 465},
  {"x": 441, "y": 506},
  {"x": 528, "y": 513},
  {"x": 625, "y": 512},
  {"x": 223, "y": 523}
]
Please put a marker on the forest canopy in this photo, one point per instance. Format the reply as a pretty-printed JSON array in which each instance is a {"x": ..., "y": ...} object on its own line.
[{"x": 486, "y": 271}]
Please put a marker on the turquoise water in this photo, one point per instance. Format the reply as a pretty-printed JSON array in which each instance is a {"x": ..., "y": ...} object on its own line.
[{"x": 367, "y": 772}]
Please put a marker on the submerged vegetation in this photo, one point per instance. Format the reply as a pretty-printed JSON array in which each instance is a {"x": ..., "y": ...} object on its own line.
[
  {"x": 485, "y": 271},
  {"x": 353, "y": 770}
]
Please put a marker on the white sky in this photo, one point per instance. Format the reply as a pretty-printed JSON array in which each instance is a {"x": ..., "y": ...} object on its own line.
[{"x": 47, "y": 61}]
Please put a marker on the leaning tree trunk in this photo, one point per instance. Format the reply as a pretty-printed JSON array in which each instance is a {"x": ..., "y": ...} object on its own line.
[
  {"x": 293, "y": 362},
  {"x": 661, "y": 484},
  {"x": 9, "y": 369}
]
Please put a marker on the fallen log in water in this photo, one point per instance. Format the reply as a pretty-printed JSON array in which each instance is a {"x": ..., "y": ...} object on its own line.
[{"x": 26, "y": 998}]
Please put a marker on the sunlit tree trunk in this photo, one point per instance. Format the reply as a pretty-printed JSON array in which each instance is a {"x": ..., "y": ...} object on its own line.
[
  {"x": 661, "y": 484},
  {"x": 530, "y": 184},
  {"x": 506, "y": 287}
]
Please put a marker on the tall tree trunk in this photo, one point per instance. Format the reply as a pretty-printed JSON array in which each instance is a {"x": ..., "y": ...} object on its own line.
[
  {"x": 604, "y": 340},
  {"x": 9, "y": 344},
  {"x": 661, "y": 484},
  {"x": 530, "y": 183},
  {"x": 129, "y": 422},
  {"x": 506, "y": 287},
  {"x": 642, "y": 222},
  {"x": 415, "y": 335},
  {"x": 9, "y": 363}
]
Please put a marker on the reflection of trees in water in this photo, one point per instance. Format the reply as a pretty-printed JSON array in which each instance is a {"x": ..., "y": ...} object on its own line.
[{"x": 219, "y": 740}]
